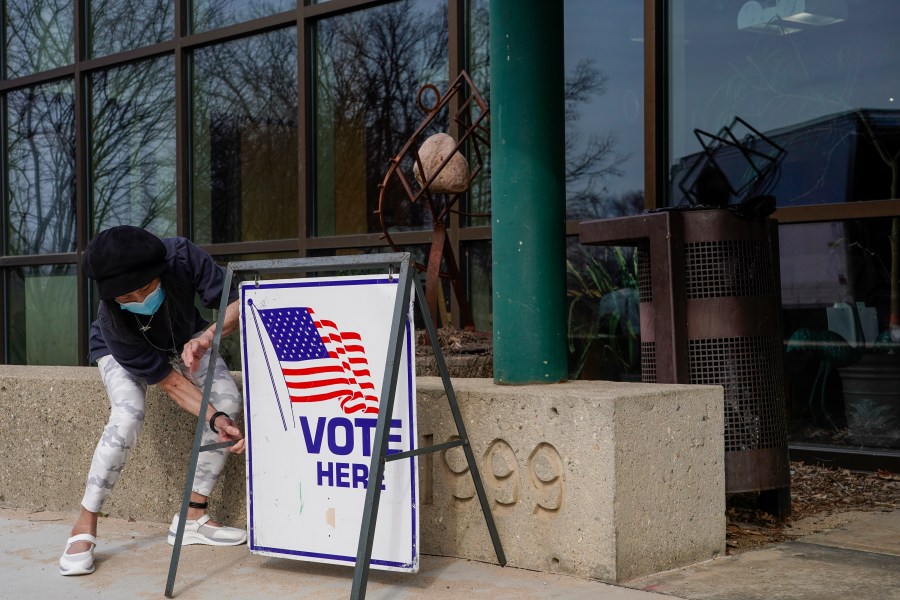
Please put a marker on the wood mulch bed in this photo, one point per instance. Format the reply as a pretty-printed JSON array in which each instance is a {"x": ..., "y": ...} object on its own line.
[{"x": 821, "y": 498}]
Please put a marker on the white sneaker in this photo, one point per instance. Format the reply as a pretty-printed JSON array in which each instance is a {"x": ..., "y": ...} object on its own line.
[
  {"x": 81, "y": 563},
  {"x": 198, "y": 532}
]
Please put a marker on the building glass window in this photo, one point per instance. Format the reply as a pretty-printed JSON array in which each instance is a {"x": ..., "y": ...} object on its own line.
[
  {"x": 117, "y": 26},
  {"x": 477, "y": 201},
  {"x": 604, "y": 92},
  {"x": 42, "y": 324},
  {"x": 244, "y": 151},
  {"x": 477, "y": 267},
  {"x": 842, "y": 332},
  {"x": 132, "y": 146},
  {"x": 478, "y": 45},
  {"x": 369, "y": 66},
  {"x": 40, "y": 169},
  {"x": 213, "y": 14},
  {"x": 821, "y": 84},
  {"x": 602, "y": 312},
  {"x": 39, "y": 36}
]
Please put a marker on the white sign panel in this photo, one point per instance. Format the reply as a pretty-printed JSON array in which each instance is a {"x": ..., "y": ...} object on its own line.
[{"x": 314, "y": 354}]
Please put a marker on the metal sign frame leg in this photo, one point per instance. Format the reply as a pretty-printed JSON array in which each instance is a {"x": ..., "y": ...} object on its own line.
[
  {"x": 379, "y": 450},
  {"x": 460, "y": 428},
  {"x": 287, "y": 265},
  {"x": 198, "y": 434}
]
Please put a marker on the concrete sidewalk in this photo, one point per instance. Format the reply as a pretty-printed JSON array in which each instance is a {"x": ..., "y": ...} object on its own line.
[
  {"x": 859, "y": 560},
  {"x": 856, "y": 561},
  {"x": 132, "y": 561}
]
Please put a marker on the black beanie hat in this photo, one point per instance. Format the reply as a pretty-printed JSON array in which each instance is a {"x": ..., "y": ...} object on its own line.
[{"x": 123, "y": 259}]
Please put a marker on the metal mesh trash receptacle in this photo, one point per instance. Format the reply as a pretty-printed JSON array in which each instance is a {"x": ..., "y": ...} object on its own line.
[{"x": 710, "y": 314}]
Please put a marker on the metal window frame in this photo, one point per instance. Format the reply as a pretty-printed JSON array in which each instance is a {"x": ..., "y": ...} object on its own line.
[{"x": 304, "y": 17}]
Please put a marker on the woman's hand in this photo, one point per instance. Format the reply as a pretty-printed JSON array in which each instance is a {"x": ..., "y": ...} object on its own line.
[
  {"x": 189, "y": 397},
  {"x": 229, "y": 431},
  {"x": 196, "y": 349}
]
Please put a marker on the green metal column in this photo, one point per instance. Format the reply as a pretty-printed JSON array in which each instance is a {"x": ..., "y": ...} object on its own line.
[{"x": 528, "y": 191}]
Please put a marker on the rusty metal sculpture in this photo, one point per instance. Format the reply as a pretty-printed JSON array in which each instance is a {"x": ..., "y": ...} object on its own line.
[{"x": 428, "y": 181}]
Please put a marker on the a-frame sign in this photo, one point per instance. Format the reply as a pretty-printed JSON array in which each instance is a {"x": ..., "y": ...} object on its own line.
[{"x": 396, "y": 265}]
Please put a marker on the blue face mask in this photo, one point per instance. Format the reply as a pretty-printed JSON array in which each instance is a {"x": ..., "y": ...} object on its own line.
[{"x": 150, "y": 304}]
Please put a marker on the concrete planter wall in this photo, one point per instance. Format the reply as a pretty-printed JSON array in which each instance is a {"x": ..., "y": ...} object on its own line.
[{"x": 605, "y": 480}]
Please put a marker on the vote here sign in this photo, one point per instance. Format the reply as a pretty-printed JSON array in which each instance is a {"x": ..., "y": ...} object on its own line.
[{"x": 314, "y": 354}]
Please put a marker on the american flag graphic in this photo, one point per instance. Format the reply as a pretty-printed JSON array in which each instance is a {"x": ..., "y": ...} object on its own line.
[{"x": 319, "y": 361}]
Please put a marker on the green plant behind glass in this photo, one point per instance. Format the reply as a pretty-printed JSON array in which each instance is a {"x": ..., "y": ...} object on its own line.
[{"x": 603, "y": 310}]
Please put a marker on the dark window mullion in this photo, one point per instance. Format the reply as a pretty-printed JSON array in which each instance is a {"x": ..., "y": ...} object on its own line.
[
  {"x": 657, "y": 63},
  {"x": 82, "y": 175},
  {"x": 183, "y": 123},
  {"x": 456, "y": 27},
  {"x": 305, "y": 148},
  {"x": 4, "y": 195}
]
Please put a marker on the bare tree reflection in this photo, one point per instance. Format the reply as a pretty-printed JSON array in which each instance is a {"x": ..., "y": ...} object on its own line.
[
  {"x": 245, "y": 132},
  {"x": 212, "y": 14},
  {"x": 40, "y": 36},
  {"x": 479, "y": 196},
  {"x": 41, "y": 170},
  {"x": 131, "y": 129},
  {"x": 592, "y": 161},
  {"x": 369, "y": 66},
  {"x": 132, "y": 146},
  {"x": 118, "y": 25}
]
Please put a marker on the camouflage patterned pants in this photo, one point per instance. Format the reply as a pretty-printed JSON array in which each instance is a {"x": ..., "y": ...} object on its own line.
[{"x": 126, "y": 418}]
